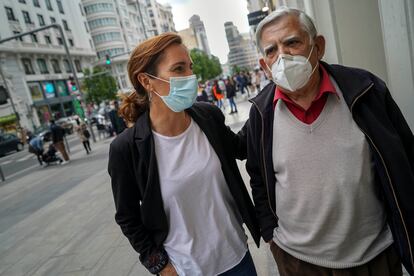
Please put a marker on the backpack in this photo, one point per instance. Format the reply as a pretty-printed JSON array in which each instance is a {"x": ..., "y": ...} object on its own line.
[{"x": 86, "y": 133}]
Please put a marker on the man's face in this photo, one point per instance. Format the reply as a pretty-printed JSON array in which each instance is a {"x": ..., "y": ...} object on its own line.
[{"x": 287, "y": 36}]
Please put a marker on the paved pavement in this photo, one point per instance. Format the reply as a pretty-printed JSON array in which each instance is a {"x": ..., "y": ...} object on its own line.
[{"x": 60, "y": 220}]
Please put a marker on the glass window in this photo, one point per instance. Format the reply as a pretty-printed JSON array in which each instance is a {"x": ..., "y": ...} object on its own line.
[
  {"x": 27, "y": 64},
  {"x": 60, "y": 40},
  {"x": 60, "y": 6},
  {"x": 65, "y": 25},
  {"x": 42, "y": 66},
  {"x": 34, "y": 38},
  {"x": 49, "y": 5},
  {"x": 49, "y": 88},
  {"x": 35, "y": 91},
  {"x": 62, "y": 88},
  {"x": 56, "y": 66},
  {"x": 67, "y": 66},
  {"x": 99, "y": 7},
  {"x": 101, "y": 22},
  {"x": 86, "y": 27},
  {"x": 110, "y": 36},
  {"x": 10, "y": 14},
  {"x": 52, "y": 20},
  {"x": 22, "y": 1},
  {"x": 26, "y": 17},
  {"x": 41, "y": 20},
  {"x": 36, "y": 3},
  {"x": 16, "y": 33},
  {"x": 48, "y": 40},
  {"x": 78, "y": 66}
]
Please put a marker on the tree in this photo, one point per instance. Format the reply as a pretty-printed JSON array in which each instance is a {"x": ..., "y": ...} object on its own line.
[
  {"x": 205, "y": 67},
  {"x": 99, "y": 86}
]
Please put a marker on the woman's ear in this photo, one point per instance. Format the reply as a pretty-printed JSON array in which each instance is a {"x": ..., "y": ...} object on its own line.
[{"x": 144, "y": 80}]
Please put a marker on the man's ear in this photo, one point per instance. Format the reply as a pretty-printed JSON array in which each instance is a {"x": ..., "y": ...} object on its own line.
[
  {"x": 320, "y": 46},
  {"x": 265, "y": 68},
  {"x": 144, "y": 80}
]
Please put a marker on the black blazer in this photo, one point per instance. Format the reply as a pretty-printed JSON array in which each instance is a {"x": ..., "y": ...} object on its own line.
[{"x": 136, "y": 188}]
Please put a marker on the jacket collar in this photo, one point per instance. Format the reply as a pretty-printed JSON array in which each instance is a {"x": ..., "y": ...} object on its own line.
[{"x": 351, "y": 81}]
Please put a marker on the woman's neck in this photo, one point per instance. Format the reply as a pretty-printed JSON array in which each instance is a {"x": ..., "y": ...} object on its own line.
[{"x": 166, "y": 122}]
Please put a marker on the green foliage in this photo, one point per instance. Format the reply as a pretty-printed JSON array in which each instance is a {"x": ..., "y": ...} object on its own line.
[
  {"x": 205, "y": 67},
  {"x": 99, "y": 86}
]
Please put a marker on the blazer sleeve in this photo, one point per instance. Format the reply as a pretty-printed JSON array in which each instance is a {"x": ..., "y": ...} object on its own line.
[
  {"x": 127, "y": 204},
  {"x": 267, "y": 221}
]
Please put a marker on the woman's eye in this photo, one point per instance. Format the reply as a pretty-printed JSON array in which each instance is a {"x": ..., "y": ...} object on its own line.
[{"x": 179, "y": 69}]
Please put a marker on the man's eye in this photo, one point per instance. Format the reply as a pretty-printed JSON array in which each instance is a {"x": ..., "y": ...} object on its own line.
[
  {"x": 270, "y": 51},
  {"x": 292, "y": 43}
]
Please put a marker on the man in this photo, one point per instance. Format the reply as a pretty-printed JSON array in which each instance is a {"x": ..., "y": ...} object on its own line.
[
  {"x": 58, "y": 134},
  {"x": 117, "y": 122},
  {"x": 36, "y": 147},
  {"x": 330, "y": 158}
]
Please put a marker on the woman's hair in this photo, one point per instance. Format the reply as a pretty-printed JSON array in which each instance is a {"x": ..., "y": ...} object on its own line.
[{"x": 144, "y": 59}]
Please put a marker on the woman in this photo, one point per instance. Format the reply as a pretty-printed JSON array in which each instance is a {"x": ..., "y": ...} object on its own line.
[
  {"x": 218, "y": 94},
  {"x": 230, "y": 93},
  {"x": 179, "y": 197},
  {"x": 83, "y": 135}
]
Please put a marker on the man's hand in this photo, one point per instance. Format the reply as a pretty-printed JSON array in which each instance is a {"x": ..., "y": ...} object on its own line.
[{"x": 169, "y": 270}]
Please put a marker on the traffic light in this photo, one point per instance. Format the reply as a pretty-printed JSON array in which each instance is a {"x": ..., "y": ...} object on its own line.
[
  {"x": 108, "y": 60},
  {"x": 72, "y": 84}
]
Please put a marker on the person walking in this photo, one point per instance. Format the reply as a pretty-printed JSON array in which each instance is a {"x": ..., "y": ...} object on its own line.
[
  {"x": 84, "y": 135},
  {"x": 218, "y": 94},
  {"x": 117, "y": 122},
  {"x": 230, "y": 93},
  {"x": 179, "y": 196},
  {"x": 330, "y": 157},
  {"x": 58, "y": 135}
]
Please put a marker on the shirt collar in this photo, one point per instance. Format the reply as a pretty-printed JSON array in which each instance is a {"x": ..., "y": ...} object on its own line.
[{"x": 325, "y": 87}]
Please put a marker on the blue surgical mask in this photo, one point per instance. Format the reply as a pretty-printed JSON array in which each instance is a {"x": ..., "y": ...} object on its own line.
[{"x": 183, "y": 92}]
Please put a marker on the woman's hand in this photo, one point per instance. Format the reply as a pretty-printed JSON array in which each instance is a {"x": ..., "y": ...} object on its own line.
[{"x": 169, "y": 270}]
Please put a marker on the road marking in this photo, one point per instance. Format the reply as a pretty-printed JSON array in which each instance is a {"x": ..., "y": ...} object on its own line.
[
  {"x": 24, "y": 158},
  {"x": 7, "y": 162},
  {"x": 20, "y": 172}
]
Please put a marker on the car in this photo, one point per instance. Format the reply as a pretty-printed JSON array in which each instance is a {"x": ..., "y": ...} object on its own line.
[
  {"x": 9, "y": 142},
  {"x": 67, "y": 123}
]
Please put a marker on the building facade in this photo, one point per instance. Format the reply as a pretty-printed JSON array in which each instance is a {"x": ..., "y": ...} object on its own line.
[
  {"x": 36, "y": 67},
  {"x": 189, "y": 38},
  {"x": 243, "y": 53},
  {"x": 161, "y": 17},
  {"x": 200, "y": 33}
]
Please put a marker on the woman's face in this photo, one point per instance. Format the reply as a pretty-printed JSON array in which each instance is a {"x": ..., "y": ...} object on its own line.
[{"x": 175, "y": 62}]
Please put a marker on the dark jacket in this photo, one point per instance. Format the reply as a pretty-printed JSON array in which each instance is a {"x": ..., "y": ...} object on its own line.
[
  {"x": 58, "y": 133},
  {"x": 230, "y": 90},
  {"x": 391, "y": 143},
  {"x": 136, "y": 188}
]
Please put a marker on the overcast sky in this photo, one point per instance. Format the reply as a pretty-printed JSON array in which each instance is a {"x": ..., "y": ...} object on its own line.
[{"x": 213, "y": 13}]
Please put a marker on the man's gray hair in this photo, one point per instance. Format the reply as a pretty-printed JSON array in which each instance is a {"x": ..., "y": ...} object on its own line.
[{"x": 304, "y": 19}]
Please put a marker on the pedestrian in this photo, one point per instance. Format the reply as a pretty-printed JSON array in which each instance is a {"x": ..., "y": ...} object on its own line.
[
  {"x": 117, "y": 122},
  {"x": 330, "y": 157},
  {"x": 179, "y": 196},
  {"x": 58, "y": 135},
  {"x": 84, "y": 135},
  {"x": 230, "y": 93},
  {"x": 218, "y": 94},
  {"x": 201, "y": 94},
  {"x": 36, "y": 147}
]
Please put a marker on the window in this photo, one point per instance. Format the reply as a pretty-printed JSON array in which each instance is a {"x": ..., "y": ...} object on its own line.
[
  {"x": 67, "y": 66},
  {"x": 35, "y": 91},
  {"x": 65, "y": 25},
  {"x": 26, "y": 17},
  {"x": 36, "y": 3},
  {"x": 22, "y": 1},
  {"x": 78, "y": 66},
  {"x": 42, "y": 66},
  {"x": 48, "y": 40},
  {"x": 52, "y": 20},
  {"x": 16, "y": 33},
  {"x": 10, "y": 14},
  {"x": 34, "y": 38},
  {"x": 60, "y": 40},
  {"x": 49, "y": 5},
  {"x": 99, "y": 7},
  {"x": 56, "y": 66},
  {"x": 105, "y": 37},
  {"x": 41, "y": 20},
  {"x": 60, "y": 7},
  {"x": 27, "y": 64},
  {"x": 71, "y": 42},
  {"x": 101, "y": 22},
  {"x": 81, "y": 10},
  {"x": 86, "y": 27}
]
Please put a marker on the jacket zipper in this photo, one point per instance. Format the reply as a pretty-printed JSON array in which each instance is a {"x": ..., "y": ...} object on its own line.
[
  {"x": 386, "y": 170},
  {"x": 263, "y": 157}
]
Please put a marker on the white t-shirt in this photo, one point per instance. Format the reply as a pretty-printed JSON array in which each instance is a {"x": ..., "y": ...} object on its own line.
[{"x": 205, "y": 235}]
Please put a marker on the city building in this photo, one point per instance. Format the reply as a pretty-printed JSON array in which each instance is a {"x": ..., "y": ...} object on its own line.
[
  {"x": 200, "y": 33},
  {"x": 189, "y": 38},
  {"x": 116, "y": 27},
  {"x": 161, "y": 17},
  {"x": 243, "y": 53},
  {"x": 35, "y": 66}
]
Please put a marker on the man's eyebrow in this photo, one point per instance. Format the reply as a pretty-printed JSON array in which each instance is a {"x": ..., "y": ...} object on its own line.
[
  {"x": 285, "y": 39},
  {"x": 268, "y": 47}
]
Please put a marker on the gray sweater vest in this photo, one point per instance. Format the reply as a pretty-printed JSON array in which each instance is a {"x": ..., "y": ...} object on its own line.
[{"x": 329, "y": 213}]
